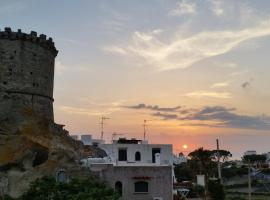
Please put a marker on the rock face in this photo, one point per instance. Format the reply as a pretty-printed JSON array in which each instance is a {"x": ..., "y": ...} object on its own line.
[
  {"x": 31, "y": 144},
  {"x": 38, "y": 148}
]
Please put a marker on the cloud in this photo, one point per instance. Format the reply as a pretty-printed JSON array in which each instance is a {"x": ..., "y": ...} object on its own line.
[
  {"x": 214, "y": 109},
  {"x": 113, "y": 20},
  {"x": 201, "y": 94},
  {"x": 182, "y": 52},
  {"x": 239, "y": 73},
  {"x": 216, "y": 7},
  {"x": 60, "y": 68},
  {"x": 154, "y": 108},
  {"x": 228, "y": 119},
  {"x": 83, "y": 111},
  {"x": 184, "y": 7},
  {"x": 93, "y": 108},
  {"x": 247, "y": 84},
  {"x": 165, "y": 116},
  {"x": 210, "y": 116},
  {"x": 115, "y": 49},
  {"x": 221, "y": 84}
]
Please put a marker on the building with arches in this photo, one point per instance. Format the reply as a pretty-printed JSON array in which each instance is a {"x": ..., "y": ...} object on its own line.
[{"x": 135, "y": 169}]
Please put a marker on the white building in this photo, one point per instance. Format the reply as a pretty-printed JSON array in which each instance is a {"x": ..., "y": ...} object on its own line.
[
  {"x": 181, "y": 158},
  {"x": 87, "y": 139},
  {"x": 250, "y": 152},
  {"x": 132, "y": 152},
  {"x": 136, "y": 169}
]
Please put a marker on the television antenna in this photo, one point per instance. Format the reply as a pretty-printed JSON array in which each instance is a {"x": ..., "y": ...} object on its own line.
[
  {"x": 145, "y": 128},
  {"x": 102, "y": 126}
]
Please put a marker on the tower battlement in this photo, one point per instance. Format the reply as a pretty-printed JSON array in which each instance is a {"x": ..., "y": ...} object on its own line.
[
  {"x": 41, "y": 40},
  {"x": 26, "y": 74}
]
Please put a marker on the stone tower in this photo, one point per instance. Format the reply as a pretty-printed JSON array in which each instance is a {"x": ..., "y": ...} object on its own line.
[{"x": 26, "y": 74}]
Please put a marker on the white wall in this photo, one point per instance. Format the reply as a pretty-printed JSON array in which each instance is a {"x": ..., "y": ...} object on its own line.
[{"x": 166, "y": 156}]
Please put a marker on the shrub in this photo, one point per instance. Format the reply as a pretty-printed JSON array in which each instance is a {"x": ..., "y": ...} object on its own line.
[
  {"x": 88, "y": 189},
  {"x": 216, "y": 190}
]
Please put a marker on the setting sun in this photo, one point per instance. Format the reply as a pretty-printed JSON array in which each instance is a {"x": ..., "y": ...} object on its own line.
[{"x": 185, "y": 146}]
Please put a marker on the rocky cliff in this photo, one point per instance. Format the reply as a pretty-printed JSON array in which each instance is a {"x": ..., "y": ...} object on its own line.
[{"x": 37, "y": 147}]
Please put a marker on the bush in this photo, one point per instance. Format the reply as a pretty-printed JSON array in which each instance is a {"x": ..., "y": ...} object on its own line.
[
  {"x": 237, "y": 198},
  {"x": 183, "y": 172},
  {"x": 234, "y": 171},
  {"x": 200, "y": 190},
  {"x": 216, "y": 190},
  {"x": 88, "y": 189}
]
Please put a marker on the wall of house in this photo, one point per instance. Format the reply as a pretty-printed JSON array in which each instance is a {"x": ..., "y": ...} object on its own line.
[
  {"x": 159, "y": 179},
  {"x": 166, "y": 155}
]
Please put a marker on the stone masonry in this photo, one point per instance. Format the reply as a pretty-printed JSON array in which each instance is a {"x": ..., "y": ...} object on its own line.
[{"x": 26, "y": 74}]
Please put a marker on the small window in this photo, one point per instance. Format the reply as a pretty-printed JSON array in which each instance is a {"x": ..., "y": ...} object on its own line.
[
  {"x": 119, "y": 188},
  {"x": 137, "y": 156},
  {"x": 4, "y": 82},
  {"x": 122, "y": 155},
  {"x": 141, "y": 187},
  {"x": 61, "y": 176}
]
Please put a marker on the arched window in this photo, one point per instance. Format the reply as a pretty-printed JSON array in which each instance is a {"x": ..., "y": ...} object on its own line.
[
  {"x": 61, "y": 176},
  {"x": 137, "y": 156},
  {"x": 119, "y": 188},
  {"x": 141, "y": 187}
]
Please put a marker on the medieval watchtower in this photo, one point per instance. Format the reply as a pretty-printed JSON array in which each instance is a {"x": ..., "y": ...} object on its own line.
[{"x": 26, "y": 73}]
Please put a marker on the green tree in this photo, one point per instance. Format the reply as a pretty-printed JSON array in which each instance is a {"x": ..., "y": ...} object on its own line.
[
  {"x": 183, "y": 172},
  {"x": 201, "y": 161},
  {"x": 216, "y": 190},
  {"x": 88, "y": 189},
  {"x": 256, "y": 160},
  {"x": 224, "y": 155}
]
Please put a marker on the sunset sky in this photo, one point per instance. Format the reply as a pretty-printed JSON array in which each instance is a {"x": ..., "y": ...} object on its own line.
[{"x": 196, "y": 70}]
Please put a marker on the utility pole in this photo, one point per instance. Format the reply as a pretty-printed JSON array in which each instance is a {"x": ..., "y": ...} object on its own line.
[
  {"x": 102, "y": 126},
  {"x": 219, "y": 164},
  {"x": 249, "y": 182}
]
